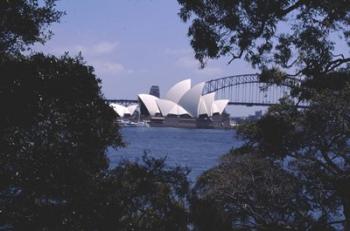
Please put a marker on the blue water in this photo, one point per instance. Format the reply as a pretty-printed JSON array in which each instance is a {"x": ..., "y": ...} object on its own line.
[{"x": 197, "y": 149}]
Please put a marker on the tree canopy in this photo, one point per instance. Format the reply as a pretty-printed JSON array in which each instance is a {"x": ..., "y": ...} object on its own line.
[
  {"x": 303, "y": 42},
  {"x": 247, "y": 192},
  {"x": 314, "y": 145},
  {"x": 56, "y": 128},
  {"x": 292, "y": 172},
  {"x": 55, "y": 174},
  {"x": 295, "y": 36},
  {"x": 24, "y": 22},
  {"x": 145, "y": 195},
  {"x": 54, "y": 135}
]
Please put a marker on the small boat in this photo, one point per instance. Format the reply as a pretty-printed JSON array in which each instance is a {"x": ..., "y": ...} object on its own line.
[
  {"x": 128, "y": 123},
  {"x": 142, "y": 124}
]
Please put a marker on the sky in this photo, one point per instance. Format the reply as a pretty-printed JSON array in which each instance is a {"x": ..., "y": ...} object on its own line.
[{"x": 134, "y": 44}]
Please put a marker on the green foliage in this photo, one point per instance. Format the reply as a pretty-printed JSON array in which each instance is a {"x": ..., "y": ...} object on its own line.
[
  {"x": 294, "y": 36},
  {"x": 274, "y": 134},
  {"x": 314, "y": 145},
  {"x": 55, "y": 175},
  {"x": 54, "y": 135},
  {"x": 24, "y": 22},
  {"x": 293, "y": 43},
  {"x": 144, "y": 196},
  {"x": 247, "y": 192},
  {"x": 55, "y": 129}
]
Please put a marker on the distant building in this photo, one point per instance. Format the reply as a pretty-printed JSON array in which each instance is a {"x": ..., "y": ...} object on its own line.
[
  {"x": 257, "y": 115},
  {"x": 240, "y": 120},
  {"x": 123, "y": 111},
  {"x": 184, "y": 106},
  {"x": 154, "y": 91}
]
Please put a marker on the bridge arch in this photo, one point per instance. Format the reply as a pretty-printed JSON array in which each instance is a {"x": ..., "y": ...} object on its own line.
[
  {"x": 246, "y": 90},
  {"x": 243, "y": 89}
]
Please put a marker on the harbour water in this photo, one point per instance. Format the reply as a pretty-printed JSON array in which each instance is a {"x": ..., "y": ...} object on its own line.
[{"x": 197, "y": 149}]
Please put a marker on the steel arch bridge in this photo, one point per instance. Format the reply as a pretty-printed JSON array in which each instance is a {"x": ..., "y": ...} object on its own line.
[
  {"x": 246, "y": 90},
  {"x": 239, "y": 89}
]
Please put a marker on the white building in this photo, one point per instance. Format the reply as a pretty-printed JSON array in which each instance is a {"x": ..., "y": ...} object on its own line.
[
  {"x": 123, "y": 111},
  {"x": 184, "y": 100}
]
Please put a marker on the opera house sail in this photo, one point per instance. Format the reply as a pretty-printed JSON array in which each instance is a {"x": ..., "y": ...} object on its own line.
[
  {"x": 184, "y": 106},
  {"x": 123, "y": 111}
]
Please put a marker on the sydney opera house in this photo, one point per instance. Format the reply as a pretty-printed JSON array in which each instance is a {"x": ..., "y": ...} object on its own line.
[
  {"x": 184, "y": 105},
  {"x": 123, "y": 111}
]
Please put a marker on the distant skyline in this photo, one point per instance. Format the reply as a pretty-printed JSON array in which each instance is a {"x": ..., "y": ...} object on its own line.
[{"x": 135, "y": 44}]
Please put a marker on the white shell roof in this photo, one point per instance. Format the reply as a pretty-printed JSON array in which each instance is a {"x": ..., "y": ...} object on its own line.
[
  {"x": 132, "y": 108},
  {"x": 165, "y": 106},
  {"x": 178, "y": 90},
  {"x": 179, "y": 111},
  {"x": 219, "y": 106},
  {"x": 120, "y": 109},
  {"x": 169, "y": 107},
  {"x": 191, "y": 99},
  {"x": 181, "y": 99},
  {"x": 209, "y": 99},
  {"x": 202, "y": 108},
  {"x": 150, "y": 102}
]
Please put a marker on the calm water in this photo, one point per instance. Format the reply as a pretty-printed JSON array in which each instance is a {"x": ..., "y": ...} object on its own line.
[{"x": 198, "y": 149}]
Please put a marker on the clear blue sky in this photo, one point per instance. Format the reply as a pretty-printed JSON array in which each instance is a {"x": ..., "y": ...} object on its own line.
[{"x": 134, "y": 44}]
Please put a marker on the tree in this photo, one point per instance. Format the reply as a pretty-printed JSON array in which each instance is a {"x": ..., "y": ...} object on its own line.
[
  {"x": 55, "y": 130},
  {"x": 24, "y": 22},
  {"x": 55, "y": 126},
  {"x": 54, "y": 172},
  {"x": 293, "y": 43},
  {"x": 314, "y": 145},
  {"x": 143, "y": 196},
  {"x": 248, "y": 192},
  {"x": 54, "y": 135},
  {"x": 292, "y": 172},
  {"x": 289, "y": 39}
]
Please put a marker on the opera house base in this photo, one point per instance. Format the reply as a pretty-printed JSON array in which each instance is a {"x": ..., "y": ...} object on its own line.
[{"x": 215, "y": 122}]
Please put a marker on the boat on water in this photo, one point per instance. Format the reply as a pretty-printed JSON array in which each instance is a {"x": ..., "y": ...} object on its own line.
[{"x": 128, "y": 123}]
